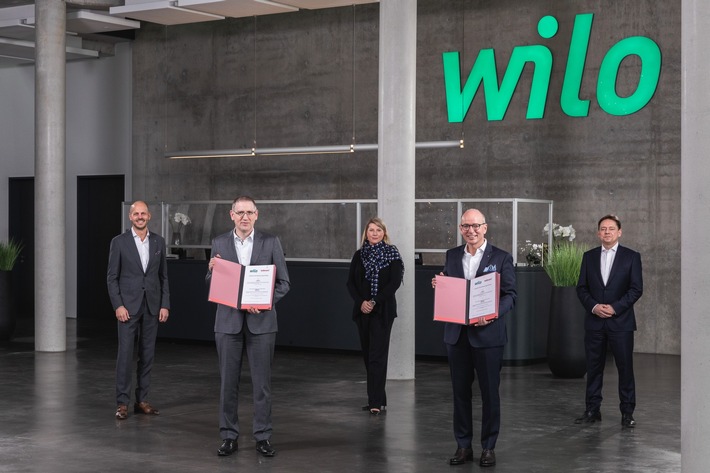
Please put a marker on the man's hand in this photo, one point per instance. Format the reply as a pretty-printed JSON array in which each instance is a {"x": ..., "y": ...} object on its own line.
[
  {"x": 604, "y": 311},
  {"x": 433, "y": 280},
  {"x": 122, "y": 314},
  {"x": 164, "y": 314},
  {"x": 211, "y": 263}
]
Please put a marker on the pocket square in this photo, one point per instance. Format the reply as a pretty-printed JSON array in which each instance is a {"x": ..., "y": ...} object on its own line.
[{"x": 490, "y": 268}]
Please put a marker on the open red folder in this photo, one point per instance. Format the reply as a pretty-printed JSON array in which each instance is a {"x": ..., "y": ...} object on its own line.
[
  {"x": 242, "y": 287},
  {"x": 466, "y": 302}
]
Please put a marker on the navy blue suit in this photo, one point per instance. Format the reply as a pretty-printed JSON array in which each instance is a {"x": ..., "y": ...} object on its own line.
[
  {"x": 623, "y": 288},
  {"x": 479, "y": 350}
]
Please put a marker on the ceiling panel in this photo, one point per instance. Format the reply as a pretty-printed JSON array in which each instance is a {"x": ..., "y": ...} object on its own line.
[
  {"x": 237, "y": 8},
  {"x": 163, "y": 13},
  {"x": 86, "y": 22},
  {"x": 317, "y": 4},
  {"x": 17, "y": 29},
  {"x": 25, "y": 50}
]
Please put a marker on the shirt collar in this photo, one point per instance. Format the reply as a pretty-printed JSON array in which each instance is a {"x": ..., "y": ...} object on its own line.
[
  {"x": 613, "y": 248},
  {"x": 135, "y": 235},
  {"x": 249, "y": 237},
  {"x": 480, "y": 249}
]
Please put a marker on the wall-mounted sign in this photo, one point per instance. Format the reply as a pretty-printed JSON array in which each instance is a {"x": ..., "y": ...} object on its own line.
[{"x": 458, "y": 100}]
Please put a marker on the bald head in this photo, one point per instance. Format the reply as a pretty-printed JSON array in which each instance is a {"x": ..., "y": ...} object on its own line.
[
  {"x": 473, "y": 229},
  {"x": 139, "y": 215}
]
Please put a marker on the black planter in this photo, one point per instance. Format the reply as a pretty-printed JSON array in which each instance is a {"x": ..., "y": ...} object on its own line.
[
  {"x": 565, "y": 336},
  {"x": 7, "y": 313}
]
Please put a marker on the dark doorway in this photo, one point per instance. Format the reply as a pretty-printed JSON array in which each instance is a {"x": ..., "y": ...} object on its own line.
[
  {"x": 99, "y": 209},
  {"x": 21, "y": 228}
]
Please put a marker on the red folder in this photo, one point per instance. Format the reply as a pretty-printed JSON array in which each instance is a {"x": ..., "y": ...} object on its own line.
[
  {"x": 227, "y": 284},
  {"x": 453, "y": 299}
]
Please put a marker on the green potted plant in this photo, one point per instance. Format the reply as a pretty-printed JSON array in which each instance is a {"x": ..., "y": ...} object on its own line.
[
  {"x": 565, "y": 336},
  {"x": 9, "y": 252}
]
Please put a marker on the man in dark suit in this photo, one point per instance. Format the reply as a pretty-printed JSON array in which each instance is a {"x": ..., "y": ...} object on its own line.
[
  {"x": 137, "y": 279},
  {"x": 252, "y": 332},
  {"x": 477, "y": 349},
  {"x": 610, "y": 283}
]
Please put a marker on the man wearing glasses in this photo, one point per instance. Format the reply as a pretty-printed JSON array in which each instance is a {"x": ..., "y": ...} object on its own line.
[
  {"x": 252, "y": 331},
  {"x": 610, "y": 283},
  {"x": 477, "y": 349}
]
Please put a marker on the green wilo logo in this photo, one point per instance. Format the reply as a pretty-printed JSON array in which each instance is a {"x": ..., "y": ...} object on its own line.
[{"x": 459, "y": 100}]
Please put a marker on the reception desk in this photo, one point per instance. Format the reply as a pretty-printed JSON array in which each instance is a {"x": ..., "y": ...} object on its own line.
[{"x": 316, "y": 313}]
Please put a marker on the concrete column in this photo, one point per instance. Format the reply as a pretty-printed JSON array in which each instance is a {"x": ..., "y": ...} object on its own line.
[
  {"x": 695, "y": 227},
  {"x": 50, "y": 165},
  {"x": 395, "y": 170}
]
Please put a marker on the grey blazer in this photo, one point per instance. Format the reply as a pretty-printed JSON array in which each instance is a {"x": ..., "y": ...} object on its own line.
[
  {"x": 267, "y": 250},
  {"x": 128, "y": 284}
]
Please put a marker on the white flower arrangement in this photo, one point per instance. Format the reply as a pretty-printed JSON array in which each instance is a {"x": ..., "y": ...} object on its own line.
[
  {"x": 177, "y": 222},
  {"x": 181, "y": 219},
  {"x": 559, "y": 232},
  {"x": 535, "y": 253}
]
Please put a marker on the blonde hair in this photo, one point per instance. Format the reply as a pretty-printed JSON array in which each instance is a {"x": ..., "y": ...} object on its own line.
[{"x": 378, "y": 222}]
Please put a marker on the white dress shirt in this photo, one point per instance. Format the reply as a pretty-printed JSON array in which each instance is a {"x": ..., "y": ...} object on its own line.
[
  {"x": 472, "y": 262},
  {"x": 244, "y": 248},
  {"x": 607, "y": 261},
  {"x": 143, "y": 248}
]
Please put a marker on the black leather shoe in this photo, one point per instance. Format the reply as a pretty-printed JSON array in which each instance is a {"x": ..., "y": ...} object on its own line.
[
  {"x": 627, "y": 420},
  {"x": 589, "y": 417},
  {"x": 228, "y": 447},
  {"x": 488, "y": 458},
  {"x": 461, "y": 455},
  {"x": 367, "y": 408},
  {"x": 264, "y": 447}
]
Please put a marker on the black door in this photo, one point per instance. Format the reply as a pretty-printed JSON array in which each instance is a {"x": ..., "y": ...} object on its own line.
[
  {"x": 21, "y": 228},
  {"x": 99, "y": 209}
]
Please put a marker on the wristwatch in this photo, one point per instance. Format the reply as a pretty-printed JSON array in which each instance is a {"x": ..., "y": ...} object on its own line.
[{"x": 373, "y": 302}]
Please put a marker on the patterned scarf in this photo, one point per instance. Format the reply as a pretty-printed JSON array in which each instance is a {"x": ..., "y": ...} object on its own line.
[{"x": 374, "y": 258}]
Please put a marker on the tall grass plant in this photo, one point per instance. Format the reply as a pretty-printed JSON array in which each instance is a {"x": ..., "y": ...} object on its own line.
[
  {"x": 9, "y": 252},
  {"x": 564, "y": 263}
]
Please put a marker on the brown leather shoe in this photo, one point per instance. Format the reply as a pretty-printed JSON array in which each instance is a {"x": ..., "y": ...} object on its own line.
[
  {"x": 121, "y": 412},
  {"x": 461, "y": 456},
  {"x": 145, "y": 408},
  {"x": 488, "y": 458}
]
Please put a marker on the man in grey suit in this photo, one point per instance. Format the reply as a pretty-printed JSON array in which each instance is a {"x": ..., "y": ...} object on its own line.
[
  {"x": 137, "y": 279},
  {"x": 252, "y": 332}
]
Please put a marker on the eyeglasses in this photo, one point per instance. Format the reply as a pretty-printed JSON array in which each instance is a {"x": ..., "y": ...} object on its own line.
[
  {"x": 241, "y": 213},
  {"x": 465, "y": 226}
]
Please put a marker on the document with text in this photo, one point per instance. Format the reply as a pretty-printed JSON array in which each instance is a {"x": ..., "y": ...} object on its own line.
[
  {"x": 466, "y": 302},
  {"x": 242, "y": 287}
]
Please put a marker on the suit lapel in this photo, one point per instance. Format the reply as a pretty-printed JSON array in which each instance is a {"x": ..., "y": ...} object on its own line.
[
  {"x": 614, "y": 265},
  {"x": 152, "y": 250},
  {"x": 257, "y": 247},
  {"x": 133, "y": 249},
  {"x": 231, "y": 251},
  {"x": 459, "y": 263},
  {"x": 485, "y": 260}
]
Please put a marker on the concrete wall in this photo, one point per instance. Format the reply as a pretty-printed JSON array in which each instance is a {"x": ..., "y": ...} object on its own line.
[
  {"x": 310, "y": 78},
  {"x": 98, "y": 135}
]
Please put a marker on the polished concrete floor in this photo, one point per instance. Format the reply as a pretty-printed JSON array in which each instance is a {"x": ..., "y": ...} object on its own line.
[{"x": 57, "y": 416}]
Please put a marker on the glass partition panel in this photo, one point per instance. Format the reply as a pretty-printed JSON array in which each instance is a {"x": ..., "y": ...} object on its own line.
[{"x": 331, "y": 230}]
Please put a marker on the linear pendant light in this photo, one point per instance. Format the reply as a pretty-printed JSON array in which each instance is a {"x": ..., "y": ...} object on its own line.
[{"x": 289, "y": 151}]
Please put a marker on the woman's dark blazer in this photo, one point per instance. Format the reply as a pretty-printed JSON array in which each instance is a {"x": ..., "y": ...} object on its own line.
[{"x": 390, "y": 279}]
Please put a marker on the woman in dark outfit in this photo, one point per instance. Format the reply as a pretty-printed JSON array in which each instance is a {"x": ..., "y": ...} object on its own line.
[{"x": 376, "y": 272}]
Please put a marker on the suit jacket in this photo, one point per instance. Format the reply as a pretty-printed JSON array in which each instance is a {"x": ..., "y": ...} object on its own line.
[
  {"x": 266, "y": 250},
  {"x": 128, "y": 284},
  {"x": 494, "y": 259},
  {"x": 623, "y": 288},
  {"x": 389, "y": 280}
]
